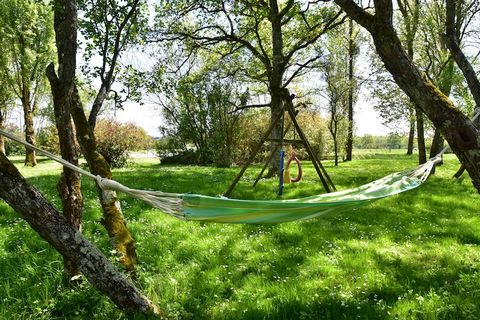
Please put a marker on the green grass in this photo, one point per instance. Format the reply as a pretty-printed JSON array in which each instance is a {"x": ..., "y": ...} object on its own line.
[{"x": 410, "y": 256}]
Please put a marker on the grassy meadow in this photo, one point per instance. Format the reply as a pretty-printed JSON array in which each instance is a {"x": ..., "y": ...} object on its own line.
[{"x": 411, "y": 256}]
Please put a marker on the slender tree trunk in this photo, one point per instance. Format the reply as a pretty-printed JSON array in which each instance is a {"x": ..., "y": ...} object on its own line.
[
  {"x": 437, "y": 144},
  {"x": 457, "y": 129},
  {"x": 335, "y": 149},
  {"x": 422, "y": 151},
  {"x": 113, "y": 219},
  {"x": 351, "y": 60},
  {"x": 411, "y": 135},
  {"x": 96, "y": 106},
  {"x": 44, "y": 219},
  {"x": 445, "y": 84},
  {"x": 30, "y": 157},
  {"x": 2, "y": 139}
]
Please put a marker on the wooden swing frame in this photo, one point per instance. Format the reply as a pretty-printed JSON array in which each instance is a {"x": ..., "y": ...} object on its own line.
[{"x": 290, "y": 110}]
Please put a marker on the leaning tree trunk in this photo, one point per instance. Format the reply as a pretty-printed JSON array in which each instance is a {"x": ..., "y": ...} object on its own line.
[
  {"x": 422, "y": 151},
  {"x": 457, "y": 129},
  {"x": 113, "y": 219},
  {"x": 50, "y": 225},
  {"x": 30, "y": 157}
]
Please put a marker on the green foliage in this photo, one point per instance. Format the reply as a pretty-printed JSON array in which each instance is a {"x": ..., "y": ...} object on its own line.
[
  {"x": 200, "y": 117},
  {"x": 110, "y": 29},
  {"x": 26, "y": 34},
  {"x": 115, "y": 140},
  {"x": 12, "y": 148},
  {"x": 411, "y": 256},
  {"x": 47, "y": 138}
]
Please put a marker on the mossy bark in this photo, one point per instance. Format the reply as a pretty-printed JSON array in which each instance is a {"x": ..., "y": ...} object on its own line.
[
  {"x": 113, "y": 219},
  {"x": 50, "y": 225}
]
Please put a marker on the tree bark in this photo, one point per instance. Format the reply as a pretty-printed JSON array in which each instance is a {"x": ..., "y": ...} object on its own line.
[
  {"x": 2, "y": 139},
  {"x": 70, "y": 181},
  {"x": 411, "y": 135},
  {"x": 445, "y": 84},
  {"x": 66, "y": 95},
  {"x": 457, "y": 129},
  {"x": 275, "y": 81},
  {"x": 50, "y": 225},
  {"x": 113, "y": 219},
  {"x": 30, "y": 156},
  {"x": 437, "y": 145},
  {"x": 422, "y": 151},
  {"x": 351, "y": 60},
  {"x": 451, "y": 37},
  {"x": 62, "y": 87},
  {"x": 97, "y": 106}
]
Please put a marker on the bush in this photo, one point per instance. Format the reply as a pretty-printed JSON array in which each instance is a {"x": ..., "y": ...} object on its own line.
[
  {"x": 13, "y": 148},
  {"x": 116, "y": 140},
  {"x": 47, "y": 139}
]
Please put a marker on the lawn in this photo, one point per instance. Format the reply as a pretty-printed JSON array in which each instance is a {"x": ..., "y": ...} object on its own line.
[{"x": 411, "y": 256}]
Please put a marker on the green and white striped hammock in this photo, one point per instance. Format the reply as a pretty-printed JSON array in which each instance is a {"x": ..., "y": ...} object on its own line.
[{"x": 195, "y": 207}]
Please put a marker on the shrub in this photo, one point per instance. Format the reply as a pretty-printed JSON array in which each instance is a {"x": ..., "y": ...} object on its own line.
[
  {"x": 47, "y": 138},
  {"x": 13, "y": 148},
  {"x": 116, "y": 140}
]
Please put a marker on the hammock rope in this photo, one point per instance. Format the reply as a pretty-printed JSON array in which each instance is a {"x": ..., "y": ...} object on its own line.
[{"x": 224, "y": 210}]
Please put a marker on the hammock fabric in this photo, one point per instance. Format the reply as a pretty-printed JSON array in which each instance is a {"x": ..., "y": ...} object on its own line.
[{"x": 196, "y": 207}]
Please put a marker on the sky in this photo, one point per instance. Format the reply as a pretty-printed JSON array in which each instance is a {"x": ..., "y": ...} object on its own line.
[{"x": 149, "y": 117}]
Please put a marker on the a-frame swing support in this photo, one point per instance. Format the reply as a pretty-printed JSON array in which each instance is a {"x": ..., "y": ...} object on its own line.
[{"x": 319, "y": 168}]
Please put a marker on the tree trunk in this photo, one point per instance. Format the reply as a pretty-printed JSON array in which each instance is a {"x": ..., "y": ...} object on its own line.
[
  {"x": 437, "y": 145},
  {"x": 2, "y": 139},
  {"x": 113, "y": 219},
  {"x": 96, "y": 106},
  {"x": 351, "y": 60},
  {"x": 70, "y": 181},
  {"x": 411, "y": 135},
  {"x": 44, "y": 219},
  {"x": 66, "y": 33},
  {"x": 65, "y": 22},
  {"x": 457, "y": 129},
  {"x": 451, "y": 37},
  {"x": 275, "y": 83},
  {"x": 275, "y": 110},
  {"x": 422, "y": 151},
  {"x": 30, "y": 157},
  {"x": 335, "y": 150}
]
